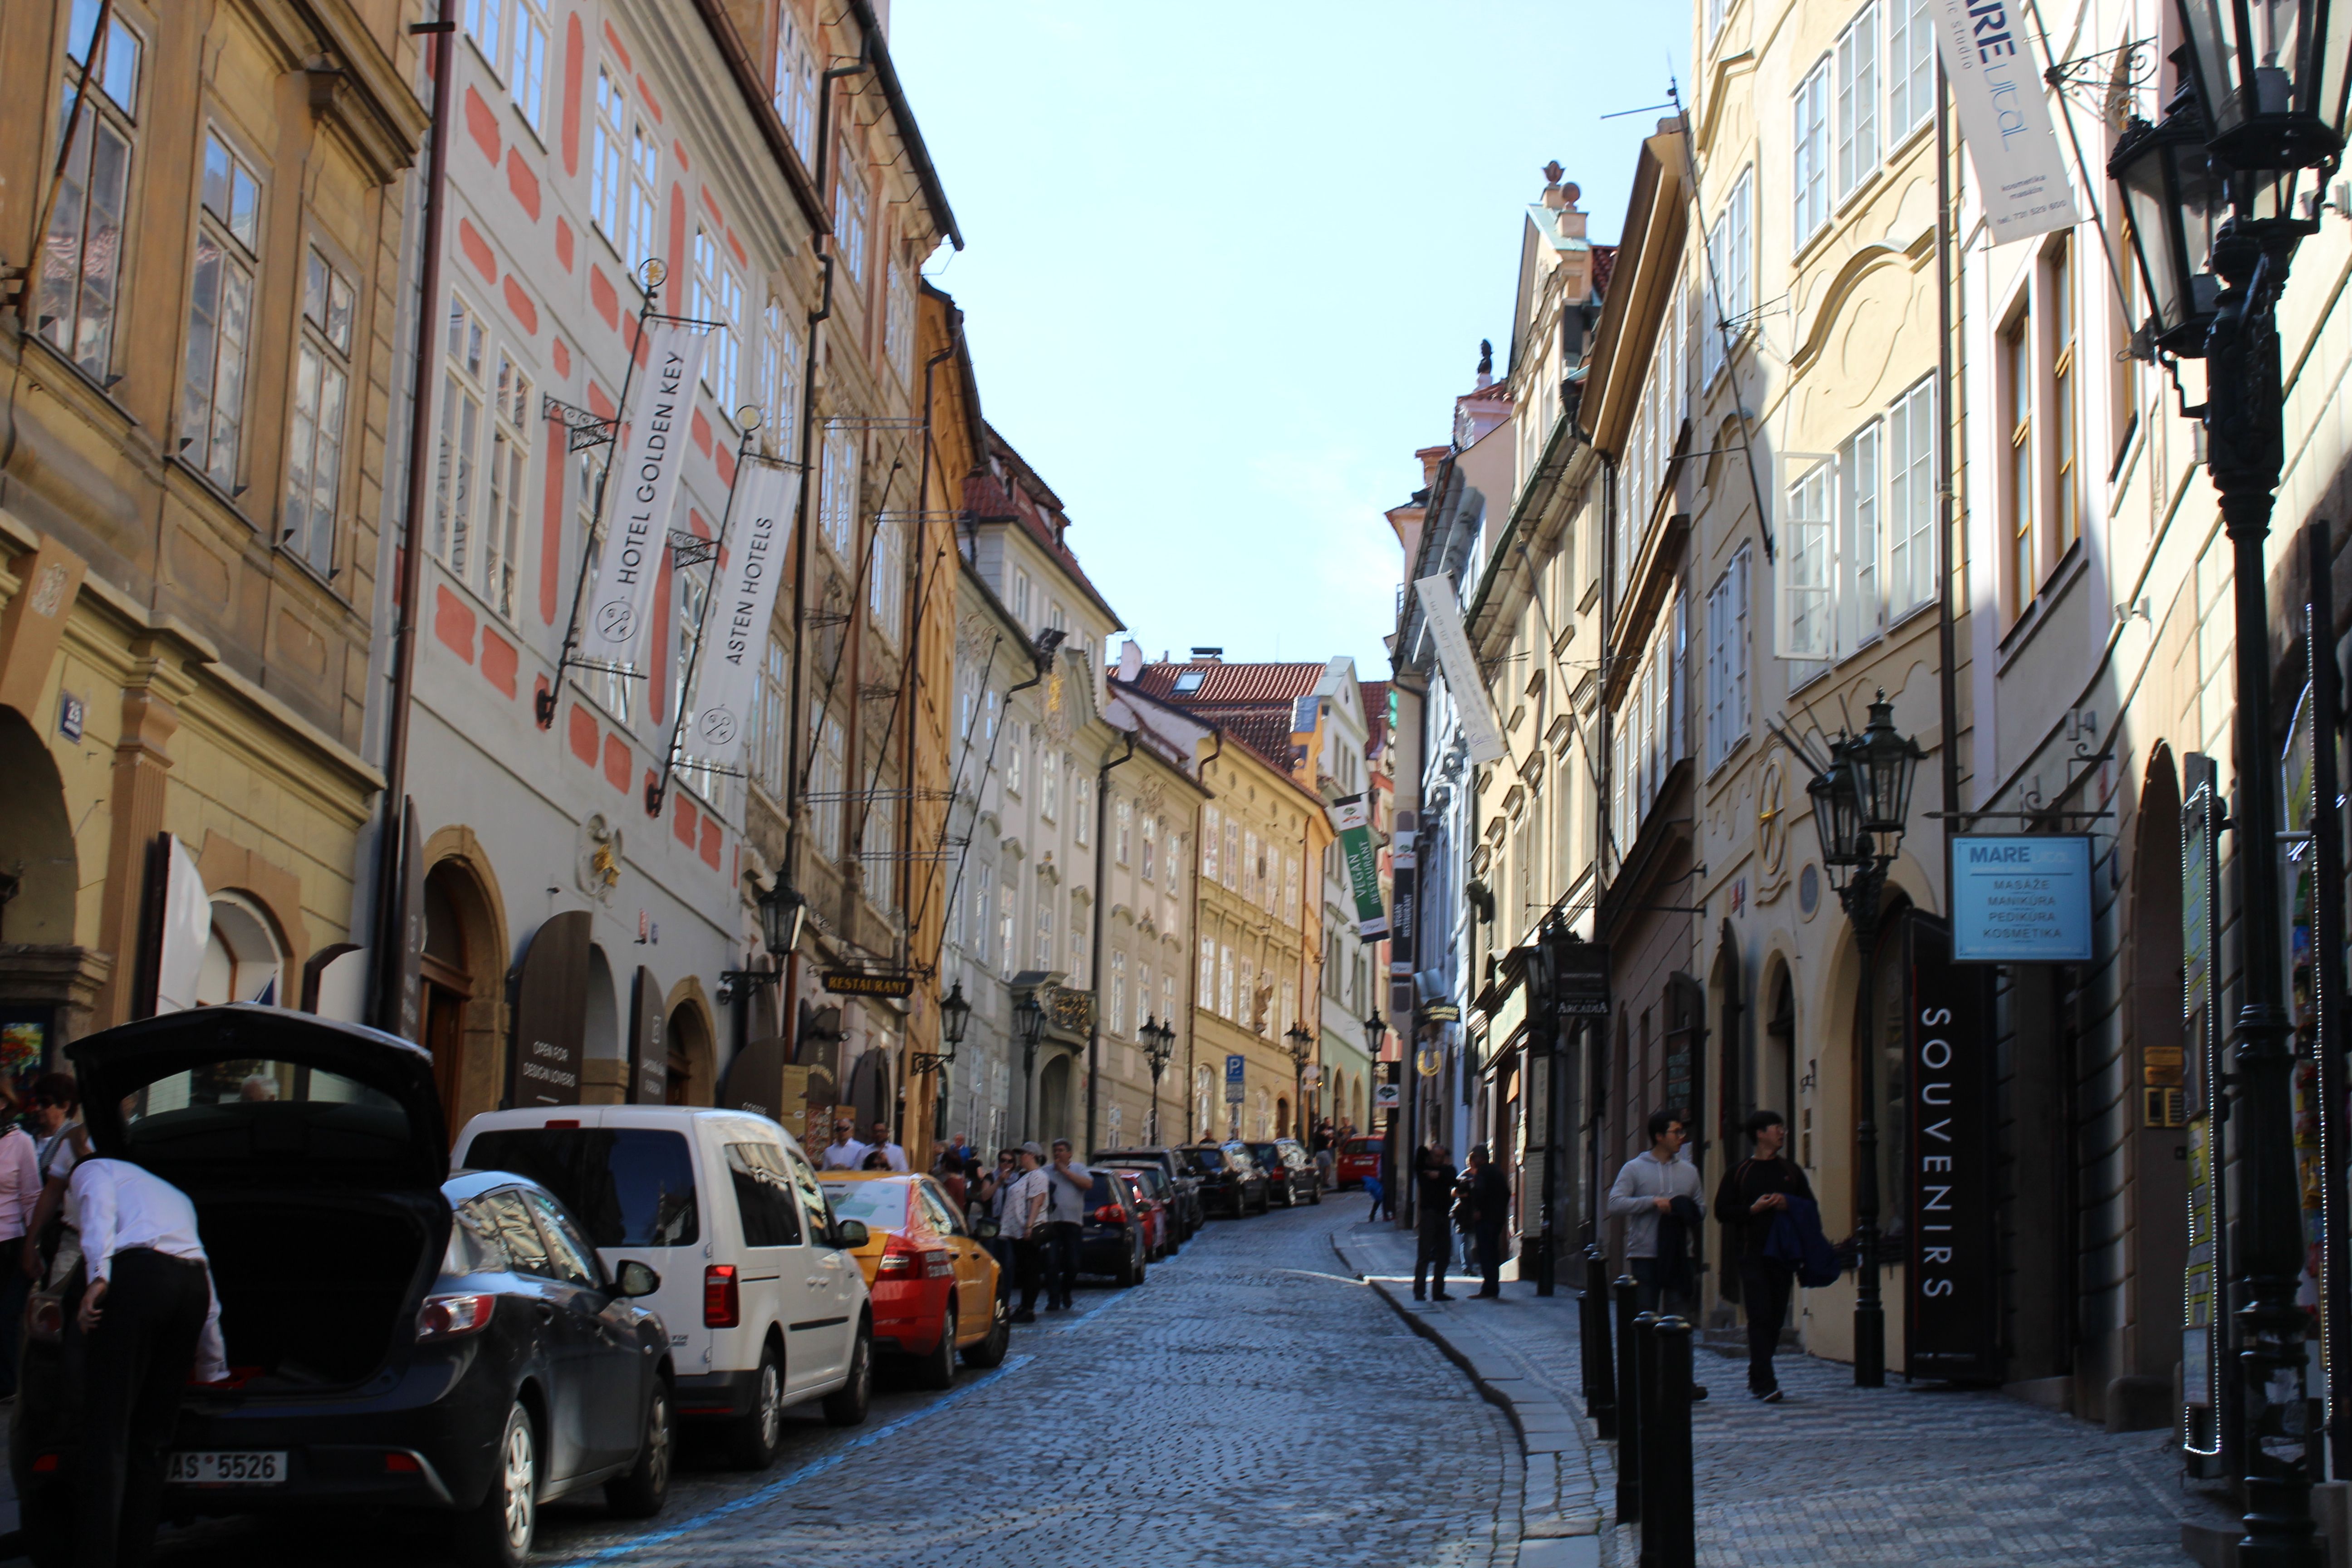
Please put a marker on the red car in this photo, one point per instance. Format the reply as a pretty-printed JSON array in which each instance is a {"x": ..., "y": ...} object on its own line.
[
  {"x": 1156, "y": 1232},
  {"x": 1358, "y": 1157}
]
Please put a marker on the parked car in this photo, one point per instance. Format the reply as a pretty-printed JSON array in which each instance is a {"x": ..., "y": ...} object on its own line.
[
  {"x": 935, "y": 1287},
  {"x": 398, "y": 1337},
  {"x": 1358, "y": 1157},
  {"x": 1111, "y": 1238},
  {"x": 1182, "y": 1177},
  {"x": 1160, "y": 1198},
  {"x": 1283, "y": 1184},
  {"x": 766, "y": 1307},
  {"x": 1231, "y": 1184},
  {"x": 1306, "y": 1176}
]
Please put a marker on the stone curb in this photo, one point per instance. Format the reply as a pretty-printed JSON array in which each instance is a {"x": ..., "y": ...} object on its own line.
[{"x": 1548, "y": 1429}]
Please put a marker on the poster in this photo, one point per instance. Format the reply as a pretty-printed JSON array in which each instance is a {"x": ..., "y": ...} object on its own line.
[
  {"x": 2004, "y": 119},
  {"x": 1348, "y": 816}
]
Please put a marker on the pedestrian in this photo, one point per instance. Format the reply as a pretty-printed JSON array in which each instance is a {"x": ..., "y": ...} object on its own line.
[
  {"x": 1068, "y": 1184},
  {"x": 1751, "y": 1195},
  {"x": 1644, "y": 1194},
  {"x": 1024, "y": 1201},
  {"x": 1380, "y": 1196},
  {"x": 893, "y": 1157},
  {"x": 147, "y": 1321},
  {"x": 951, "y": 1177},
  {"x": 1323, "y": 1135},
  {"x": 1490, "y": 1211},
  {"x": 1434, "y": 1176},
  {"x": 20, "y": 1195},
  {"x": 987, "y": 1200},
  {"x": 845, "y": 1153},
  {"x": 57, "y": 1102},
  {"x": 1324, "y": 1182}
]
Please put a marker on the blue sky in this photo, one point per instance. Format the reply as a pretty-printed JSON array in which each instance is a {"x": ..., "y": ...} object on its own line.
[{"x": 1228, "y": 268}]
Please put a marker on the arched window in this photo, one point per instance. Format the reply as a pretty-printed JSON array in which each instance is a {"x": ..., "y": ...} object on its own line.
[{"x": 243, "y": 961}]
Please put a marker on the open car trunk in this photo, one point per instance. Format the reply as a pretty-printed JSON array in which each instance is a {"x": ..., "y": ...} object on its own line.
[{"x": 317, "y": 1290}]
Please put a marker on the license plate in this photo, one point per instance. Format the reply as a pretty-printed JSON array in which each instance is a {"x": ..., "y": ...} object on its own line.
[{"x": 216, "y": 1467}]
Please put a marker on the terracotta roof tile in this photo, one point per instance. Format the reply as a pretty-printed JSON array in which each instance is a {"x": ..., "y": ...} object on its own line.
[
  {"x": 1604, "y": 265},
  {"x": 1224, "y": 685}
]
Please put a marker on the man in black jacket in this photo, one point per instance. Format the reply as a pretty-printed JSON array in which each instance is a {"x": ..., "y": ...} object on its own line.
[
  {"x": 1433, "y": 1218},
  {"x": 1490, "y": 1211},
  {"x": 1752, "y": 1195}
]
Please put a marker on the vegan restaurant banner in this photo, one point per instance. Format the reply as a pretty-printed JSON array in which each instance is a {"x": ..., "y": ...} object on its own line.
[
  {"x": 1364, "y": 865},
  {"x": 2004, "y": 118},
  {"x": 645, "y": 487},
  {"x": 737, "y": 641}
]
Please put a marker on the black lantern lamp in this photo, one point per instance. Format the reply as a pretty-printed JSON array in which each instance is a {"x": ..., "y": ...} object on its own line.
[
  {"x": 1301, "y": 1043},
  {"x": 955, "y": 1017},
  {"x": 782, "y": 915},
  {"x": 1883, "y": 763},
  {"x": 1376, "y": 1029},
  {"x": 2175, "y": 196},
  {"x": 1029, "y": 1022},
  {"x": 2273, "y": 76},
  {"x": 1837, "y": 815},
  {"x": 1159, "y": 1045}
]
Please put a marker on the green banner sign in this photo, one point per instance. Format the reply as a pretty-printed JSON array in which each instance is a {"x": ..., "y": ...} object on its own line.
[{"x": 1363, "y": 866}]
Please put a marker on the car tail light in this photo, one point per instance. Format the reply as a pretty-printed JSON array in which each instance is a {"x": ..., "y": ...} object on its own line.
[
  {"x": 399, "y": 1464},
  {"x": 574, "y": 1121},
  {"x": 901, "y": 1256},
  {"x": 722, "y": 1296},
  {"x": 445, "y": 1317},
  {"x": 1110, "y": 1214},
  {"x": 45, "y": 1464}
]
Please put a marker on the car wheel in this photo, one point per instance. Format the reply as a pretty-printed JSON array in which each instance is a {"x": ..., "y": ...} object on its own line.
[
  {"x": 1318, "y": 1199},
  {"x": 496, "y": 1532},
  {"x": 755, "y": 1436},
  {"x": 937, "y": 1369},
  {"x": 846, "y": 1405},
  {"x": 645, "y": 1490},
  {"x": 990, "y": 1351}
]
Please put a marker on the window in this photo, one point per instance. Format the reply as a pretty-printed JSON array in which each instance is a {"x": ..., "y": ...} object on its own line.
[
  {"x": 1647, "y": 739},
  {"x": 604, "y": 157},
  {"x": 1117, "y": 1022},
  {"x": 1020, "y": 598},
  {"x": 2065, "y": 431},
  {"x": 879, "y": 847},
  {"x": 1730, "y": 244},
  {"x": 1290, "y": 888},
  {"x": 610, "y": 687},
  {"x": 886, "y": 586},
  {"x": 839, "y": 519},
  {"x": 797, "y": 83},
  {"x": 1207, "y": 983},
  {"x": 898, "y": 325},
  {"x": 763, "y": 1195},
  {"x": 1122, "y": 832},
  {"x": 1210, "y": 831},
  {"x": 528, "y": 77},
  {"x": 1044, "y": 948},
  {"x": 314, "y": 457},
  {"x": 1727, "y": 659},
  {"x": 645, "y": 177},
  {"x": 81, "y": 266},
  {"x": 717, "y": 297},
  {"x": 220, "y": 314},
  {"x": 1082, "y": 807},
  {"x": 509, "y": 473},
  {"x": 768, "y": 737},
  {"x": 1289, "y": 1014},
  {"x": 983, "y": 899},
  {"x": 1143, "y": 996},
  {"x": 1911, "y": 506},
  {"x": 1253, "y": 869},
  {"x": 1166, "y": 997},
  {"x": 2017, "y": 391},
  {"x": 1004, "y": 928},
  {"x": 461, "y": 435},
  {"x": 1234, "y": 869},
  {"x": 1150, "y": 845},
  {"x": 850, "y": 202},
  {"x": 1252, "y": 1018},
  {"x": 1808, "y": 151},
  {"x": 780, "y": 353},
  {"x": 1225, "y": 979},
  {"x": 1910, "y": 66},
  {"x": 481, "y": 22},
  {"x": 693, "y": 600},
  {"x": 827, "y": 784},
  {"x": 1857, "y": 100},
  {"x": 1049, "y": 786},
  {"x": 1714, "y": 9},
  {"x": 1862, "y": 596},
  {"x": 1016, "y": 758}
]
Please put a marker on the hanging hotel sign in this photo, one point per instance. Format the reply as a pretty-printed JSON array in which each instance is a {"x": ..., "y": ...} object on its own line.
[
  {"x": 645, "y": 478},
  {"x": 1475, "y": 712},
  {"x": 1348, "y": 815},
  {"x": 857, "y": 982},
  {"x": 2004, "y": 119},
  {"x": 2021, "y": 898},
  {"x": 737, "y": 641},
  {"x": 1951, "y": 1326}
]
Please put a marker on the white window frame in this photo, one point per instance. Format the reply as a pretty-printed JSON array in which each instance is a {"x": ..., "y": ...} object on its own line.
[
  {"x": 719, "y": 297},
  {"x": 769, "y": 738},
  {"x": 796, "y": 85},
  {"x": 852, "y": 210},
  {"x": 509, "y": 486},
  {"x": 1731, "y": 274},
  {"x": 527, "y": 78},
  {"x": 1858, "y": 95},
  {"x": 1808, "y": 156},
  {"x": 898, "y": 324},
  {"x": 484, "y": 23},
  {"x": 1910, "y": 68},
  {"x": 320, "y": 403},
  {"x": 1862, "y": 537},
  {"x": 466, "y": 351},
  {"x": 607, "y": 155},
  {"x": 1728, "y": 715},
  {"x": 839, "y": 515},
  {"x": 221, "y": 324},
  {"x": 643, "y": 197},
  {"x": 886, "y": 585},
  {"x": 828, "y": 786},
  {"x": 779, "y": 376},
  {"x": 1912, "y": 504},
  {"x": 81, "y": 274}
]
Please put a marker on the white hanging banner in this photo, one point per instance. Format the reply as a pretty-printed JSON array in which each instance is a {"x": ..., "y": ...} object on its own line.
[
  {"x": 1480, "y": 732},
  {"x": 2004, "y": 118},
  {"x": 735, "y": 637},
  {"x": 642, "y": 491}
]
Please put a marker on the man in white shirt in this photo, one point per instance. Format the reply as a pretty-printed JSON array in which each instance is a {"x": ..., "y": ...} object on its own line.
[
  {"x": 887, "y": 1148},
  {"x": 845, "y": 1153},
  {"x": 1023, "y": 1200},
  {"x": 1067, "y": 1182},
  {"x": 148, "y": 1318}
]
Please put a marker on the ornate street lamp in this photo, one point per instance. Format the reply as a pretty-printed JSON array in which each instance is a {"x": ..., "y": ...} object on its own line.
[
  {"x": 1159, "y": 1045},
  {"x": 1028, "y": 1027},
  {"x": 1861, "y": 806},
  {"x": 2174, "y": 194},
  {"x": 955, "y": 1017},
  {"x": 1302, "y": 1051},
  {"x": 782, "y": 915},
  {"x": 2272, "y": 77}
]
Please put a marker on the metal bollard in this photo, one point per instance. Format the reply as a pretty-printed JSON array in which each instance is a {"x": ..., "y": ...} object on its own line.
[
  {"x": 1629, "y": 1407},
  {"x": 1600, "y": 1363},
  {"x": 1669, "y": 1524},
  {"x": 1645, "y": 1444}
]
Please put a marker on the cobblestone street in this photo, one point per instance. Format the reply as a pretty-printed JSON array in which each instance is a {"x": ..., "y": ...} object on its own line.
[{"x": 1223, "y": 1411}]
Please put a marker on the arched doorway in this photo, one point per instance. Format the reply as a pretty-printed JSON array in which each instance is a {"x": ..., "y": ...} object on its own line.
[
  {"x": 2166, "y": 1077},
  {"x": 689, "y": 1056},
  {"x": 244, "y": 959},
  {"x": 603, "y": 1044},
  {"x": 1282, "y": 1116},
  {"x": 462, "y": 973},
  {"x": 49, "y": 988},
  {"x": 1054, "y": 1100},
  {"x": 1776, "y": 1070}
]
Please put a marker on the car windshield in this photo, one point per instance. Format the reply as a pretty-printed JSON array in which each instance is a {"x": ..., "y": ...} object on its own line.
[
  {"x": 1364, "y": 1146},
  {"x": 254, "y": 1113},
  {"x": 1210, "y": 1160},
  {"x": 629, "y": 1186},
  {"x": 876, "y": 1205}
]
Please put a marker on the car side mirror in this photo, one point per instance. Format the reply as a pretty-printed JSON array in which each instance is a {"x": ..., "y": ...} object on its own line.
[
  {"x": 985, "y": 1230},
  {"x": 849, "y": 1234},
  {"x": 638, "y": 1279}
]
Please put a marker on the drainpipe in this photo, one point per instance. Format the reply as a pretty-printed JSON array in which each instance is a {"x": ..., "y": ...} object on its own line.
[
  {"x": 1193, "y": 959},
  {"x": 1094, "y": 955},
  {"x": 1947, "y": 638},
  {"x": 391, "y": 915}
]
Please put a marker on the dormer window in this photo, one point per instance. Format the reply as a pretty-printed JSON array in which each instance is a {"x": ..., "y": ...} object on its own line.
[{"x": 1188, "y": 681}]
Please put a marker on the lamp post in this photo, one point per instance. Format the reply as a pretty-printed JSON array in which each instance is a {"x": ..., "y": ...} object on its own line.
[
  {"x": 1547, "y": 1028},
  {"x": 1159, "y": 1045},
  {"x": 782, "y": 914},
  {"x": 2264, "y": 89},
  {"x": 1302, "y": 1051},
  {"x": 1028, "y": 1027},
  {"x": 1376, "y": 1030},
  {"x": 1860, "y": 805}
]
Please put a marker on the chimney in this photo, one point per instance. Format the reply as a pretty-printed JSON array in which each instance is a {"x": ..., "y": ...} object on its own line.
[{"x": 1208, "y": 656}]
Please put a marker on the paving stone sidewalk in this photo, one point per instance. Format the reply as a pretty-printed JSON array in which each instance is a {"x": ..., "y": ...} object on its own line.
[{"x": 1833, "y": 1474}]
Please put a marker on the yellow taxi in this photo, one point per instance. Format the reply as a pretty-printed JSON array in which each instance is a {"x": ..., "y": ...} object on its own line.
[{"x": 935, "y": 1288}]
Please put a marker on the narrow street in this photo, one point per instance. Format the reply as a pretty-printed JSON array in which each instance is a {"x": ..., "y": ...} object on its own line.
[{"x": 1244, "y": 1405}]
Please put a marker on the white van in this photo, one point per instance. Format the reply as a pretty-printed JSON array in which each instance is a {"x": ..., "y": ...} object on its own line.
[{"x": 765, "y": 1306}]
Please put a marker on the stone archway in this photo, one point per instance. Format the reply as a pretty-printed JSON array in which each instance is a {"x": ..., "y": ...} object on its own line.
[
  {"x": 1054, "y": 1081},
  {"x": 693, "y": 1055},
  {"x": 48, "y": 985},
  {"x": 463, "y": 1011},
  {"x": 2163, "y": 1084}
]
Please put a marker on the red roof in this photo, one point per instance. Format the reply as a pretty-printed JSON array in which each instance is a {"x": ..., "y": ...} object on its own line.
[
  {"x": 1604, "y": 264},
  {"x": 1227, "y": 685},
  {"x": 1375, "y": 712},
  {"x": 1022, "y": 497}
]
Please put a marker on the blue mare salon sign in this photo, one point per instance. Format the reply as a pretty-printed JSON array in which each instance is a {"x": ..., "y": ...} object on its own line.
[{"x": 2021, "y": 898}]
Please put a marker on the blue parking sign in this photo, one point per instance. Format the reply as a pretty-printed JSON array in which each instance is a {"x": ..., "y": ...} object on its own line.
[{"x": 1233, "y": 1069}]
